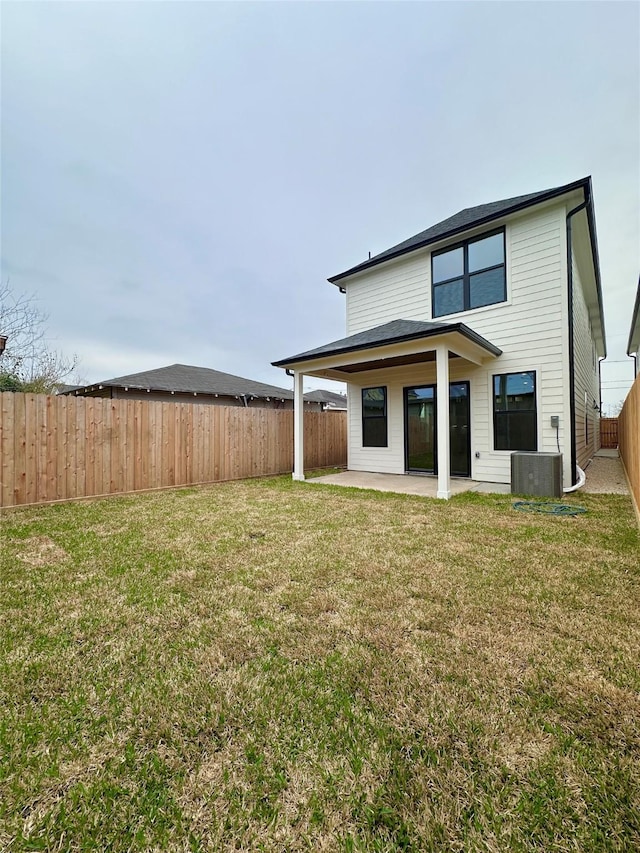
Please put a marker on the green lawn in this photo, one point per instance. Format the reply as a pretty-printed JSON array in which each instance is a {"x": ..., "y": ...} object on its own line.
[{"x": 281, "y": 666}]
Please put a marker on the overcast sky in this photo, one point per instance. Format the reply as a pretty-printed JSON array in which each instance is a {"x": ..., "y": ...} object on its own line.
[{"x": 180, "y": 179}]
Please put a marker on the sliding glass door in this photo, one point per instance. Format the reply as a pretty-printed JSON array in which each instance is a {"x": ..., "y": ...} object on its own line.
[
  {"x": 420, "y": 426},
  {"x": 420, "y": 429}
]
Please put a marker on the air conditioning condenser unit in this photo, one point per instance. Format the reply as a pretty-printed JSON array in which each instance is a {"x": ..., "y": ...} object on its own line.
[{"x": 538, "y": 474}]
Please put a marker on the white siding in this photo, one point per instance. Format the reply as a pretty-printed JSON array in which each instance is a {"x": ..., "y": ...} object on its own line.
[
  {"x": 393, "y": 291},
  {"x": 530, "y": 328},
  {"x": 586, "y": 376}
]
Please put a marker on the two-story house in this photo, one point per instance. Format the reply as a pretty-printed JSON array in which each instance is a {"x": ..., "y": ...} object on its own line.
[{"x": 495, "y": 312}]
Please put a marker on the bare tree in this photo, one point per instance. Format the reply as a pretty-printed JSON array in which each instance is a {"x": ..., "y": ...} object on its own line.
[{"x": 27, "y": 363}]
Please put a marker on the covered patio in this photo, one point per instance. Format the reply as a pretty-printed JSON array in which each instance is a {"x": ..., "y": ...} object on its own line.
[{"x": 397, "y": 344}]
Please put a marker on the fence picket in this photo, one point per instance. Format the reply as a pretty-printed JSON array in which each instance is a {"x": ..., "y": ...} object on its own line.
[
  {"x": 629, "y": 425},
  {"x": 7, "y": 466},
  {"x": 59, "y": 448},
  {"x": 609, "y": 432}
]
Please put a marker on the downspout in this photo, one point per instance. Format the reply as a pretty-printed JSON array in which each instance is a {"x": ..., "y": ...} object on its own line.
[
  {"x": 243, "y": 397},
  {"x": 292, "y": 375},
  {"x": 600, "y": 384},
  {"x": 572, "y": 381}
]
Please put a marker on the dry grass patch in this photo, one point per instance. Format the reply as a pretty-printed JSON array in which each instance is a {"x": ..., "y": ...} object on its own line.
[
  {"x": 39, "y": 551},
  {"x": 273, "y": 666}
]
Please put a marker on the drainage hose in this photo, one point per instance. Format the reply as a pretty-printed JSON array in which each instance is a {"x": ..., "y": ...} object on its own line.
[{"x": 548, "y": 508}]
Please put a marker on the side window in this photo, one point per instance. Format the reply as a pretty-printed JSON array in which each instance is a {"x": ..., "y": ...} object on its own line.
[
  {"x": 514, "y": 411},
  {"x": 374, "y": 417},
  {"x": 469, "y": 276}
]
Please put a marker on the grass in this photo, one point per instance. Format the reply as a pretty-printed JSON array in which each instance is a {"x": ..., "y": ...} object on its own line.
[
  {"x": 321, "y": 472},
  {"x": 280, "y": 666}
]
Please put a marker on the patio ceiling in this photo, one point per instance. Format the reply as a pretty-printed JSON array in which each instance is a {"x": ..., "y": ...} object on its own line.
[{"x": 392, "y": 361}]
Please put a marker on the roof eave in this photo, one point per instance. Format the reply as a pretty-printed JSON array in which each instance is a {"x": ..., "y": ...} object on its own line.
[
  {"x": 591, "y": 219},
  {"x": 460, "y": 328},
  {"x": 279, "y": 394},
  {"x": 583, "y": 183}
]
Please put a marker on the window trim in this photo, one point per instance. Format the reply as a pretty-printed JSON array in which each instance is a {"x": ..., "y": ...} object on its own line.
[
  {"x": 535, "y": 410},
  {"x": 467, "y": 274},
  {"x": 384, "y": 415}
]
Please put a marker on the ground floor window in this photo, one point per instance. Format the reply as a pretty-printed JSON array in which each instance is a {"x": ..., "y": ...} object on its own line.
[
  {"x": 514, "y": 411},
  {"x": 374, "y": 417}
]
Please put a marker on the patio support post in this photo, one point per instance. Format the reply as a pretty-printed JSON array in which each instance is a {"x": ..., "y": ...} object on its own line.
[
  {"x": 442, "y": 377},
  {"x": 298, "y": 426}
]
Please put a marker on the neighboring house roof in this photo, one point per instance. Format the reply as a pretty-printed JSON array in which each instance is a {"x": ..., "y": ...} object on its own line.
[
  {"x": 184, "y": 378},
  {"x": 634, "y": 334},
  {"x": 330, "y": 398},
  {"x": 470, "y": 217},
  {"x": 389, "y": 333}
]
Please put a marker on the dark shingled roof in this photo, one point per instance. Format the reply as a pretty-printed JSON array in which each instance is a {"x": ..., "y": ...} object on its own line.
[
  {"x": 468, "y": 218},
  {"x": 183, "y": 378},
  {"x": 321, "y": 395},
  {"x": 389, "y": 333}
]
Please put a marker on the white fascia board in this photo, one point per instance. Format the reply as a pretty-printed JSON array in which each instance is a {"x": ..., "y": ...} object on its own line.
[{"x": 456, "y": 342}]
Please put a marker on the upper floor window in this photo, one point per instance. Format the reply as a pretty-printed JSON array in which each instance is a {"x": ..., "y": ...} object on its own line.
[{"x": 469, "y": 276}]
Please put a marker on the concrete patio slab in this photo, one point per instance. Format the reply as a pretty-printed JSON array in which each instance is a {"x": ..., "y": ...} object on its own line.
[
  {"x": 407, "y": 484},
  {"x": 604, "y": 474}
]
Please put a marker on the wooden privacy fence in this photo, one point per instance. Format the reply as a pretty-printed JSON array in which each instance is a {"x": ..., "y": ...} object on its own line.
[
  {"x": 629, "y": 440},
  {"x": 608, "y": 432},
  {"x": 58, "y": 448}
]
